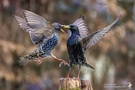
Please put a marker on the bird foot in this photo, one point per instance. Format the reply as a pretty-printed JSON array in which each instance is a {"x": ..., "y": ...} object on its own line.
[
  {"x": 67, "y": 77},
  {"x": 58, "y": 59},
  {"x": 63, "y": 62},
  {"x": 40, "y": 60},
  {"x": 76, "y": 78},
  {"x": 68, "y": 74}
]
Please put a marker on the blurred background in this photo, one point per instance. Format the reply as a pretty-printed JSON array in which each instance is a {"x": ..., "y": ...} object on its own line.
[{"x": 113, "y": 57}]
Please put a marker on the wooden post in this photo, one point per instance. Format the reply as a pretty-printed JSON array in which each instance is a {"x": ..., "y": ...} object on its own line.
[{"x": 74, "y": 84}]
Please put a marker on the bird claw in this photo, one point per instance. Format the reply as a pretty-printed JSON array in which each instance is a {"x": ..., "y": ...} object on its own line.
[
  {"x": 76, "y": 78},
  {"x": 39, "y": 62},
  {"x": 63, "y": 62},
  {"x": 67, "y": 77}
]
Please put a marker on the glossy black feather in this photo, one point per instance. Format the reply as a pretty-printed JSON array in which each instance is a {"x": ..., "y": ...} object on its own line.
[{"x": 75, "y": 51}]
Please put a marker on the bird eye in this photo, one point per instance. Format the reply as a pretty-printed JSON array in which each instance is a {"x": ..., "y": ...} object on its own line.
[{"x": 71, "y": 26}]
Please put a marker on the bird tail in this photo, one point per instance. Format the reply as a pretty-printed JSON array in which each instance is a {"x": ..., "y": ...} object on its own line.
[
  {"x": 27, "y": 58},
  {"x": 87, "y": 65}
]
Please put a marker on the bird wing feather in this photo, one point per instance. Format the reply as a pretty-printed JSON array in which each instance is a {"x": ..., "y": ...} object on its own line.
[
  {"x": 92, "y": 39},
  {"x": 38, "y": 28},
  {"x": 24, "y": 25},
  {"x": 38, "y": 24},
  {"x": 82, "y": 27},
  {"x": 21, "y": 22}
]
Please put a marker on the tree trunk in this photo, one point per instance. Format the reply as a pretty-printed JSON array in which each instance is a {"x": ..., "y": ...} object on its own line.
[{"x": 74, "y": 84}]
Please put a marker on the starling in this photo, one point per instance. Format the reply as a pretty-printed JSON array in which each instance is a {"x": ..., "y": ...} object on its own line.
[
  {"x": 80, "y": 41},
  {"x": 43, "y": 34}
]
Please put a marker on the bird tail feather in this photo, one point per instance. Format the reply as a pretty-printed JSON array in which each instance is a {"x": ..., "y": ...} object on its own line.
[
  {"x": 27, "y": 58},
  {"x": 87, "y": 65}
]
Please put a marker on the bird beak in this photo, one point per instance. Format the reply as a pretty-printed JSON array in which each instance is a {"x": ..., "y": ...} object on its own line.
[
  {"x": 66, "y": 26},
  {"x": 62, "y": 30}
]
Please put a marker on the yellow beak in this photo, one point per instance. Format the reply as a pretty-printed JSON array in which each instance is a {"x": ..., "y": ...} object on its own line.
[
  {"x": 62, "y": 30},
  {"x": 66, "y": 26}
]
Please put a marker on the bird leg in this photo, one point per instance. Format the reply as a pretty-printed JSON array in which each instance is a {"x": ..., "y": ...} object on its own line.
[
  {"x": 68, "y": 74},
  {"x": 78, "y": 76},
  {"x": 58, "y": 59},
  {"x": 40, "y": 60},
  {"x": 62, "y": 61}
]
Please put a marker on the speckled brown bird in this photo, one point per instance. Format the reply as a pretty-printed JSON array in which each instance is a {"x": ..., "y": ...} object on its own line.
[{"x": 43, "y": 34}]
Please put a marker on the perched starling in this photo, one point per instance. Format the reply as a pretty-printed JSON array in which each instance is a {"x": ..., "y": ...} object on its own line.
[
  {"x": 80, "y": 41},
  {"x": 43, "y": 34}
]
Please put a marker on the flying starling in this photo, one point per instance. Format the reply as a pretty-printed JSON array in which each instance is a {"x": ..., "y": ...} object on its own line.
[
  {"x": 43, "y": 34},
  {"x": 80, "y": 41}
]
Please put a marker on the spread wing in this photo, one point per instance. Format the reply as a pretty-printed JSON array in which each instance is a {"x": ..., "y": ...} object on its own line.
[
  {"x": 82, "y": 27},
  {"x": 24, "y": 25},
  {"x": 38, "y": 24},
  {"x": 38, "y": 28},
  {"x": 92, "y": 39},
  {"x": 21, "y": 22}
]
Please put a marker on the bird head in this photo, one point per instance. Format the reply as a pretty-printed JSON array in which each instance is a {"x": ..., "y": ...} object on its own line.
[
  {"x": 72, "y": 28},
  {"x": 57, "y": 26}
]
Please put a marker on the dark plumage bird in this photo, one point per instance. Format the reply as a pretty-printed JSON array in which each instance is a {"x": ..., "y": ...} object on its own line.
[
  {"x": 80, "y": 41},
  {"x": 42, "y": 33}
]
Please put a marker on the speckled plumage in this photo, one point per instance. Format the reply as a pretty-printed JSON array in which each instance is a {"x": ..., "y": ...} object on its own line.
[
  {"x": 42, "y": 33},
  {"x": 48, "y": 45},
  {"x": 75, "y": 51},
  {"x": 43, "y": 49},
  {"x": 80, "y": 41}
]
